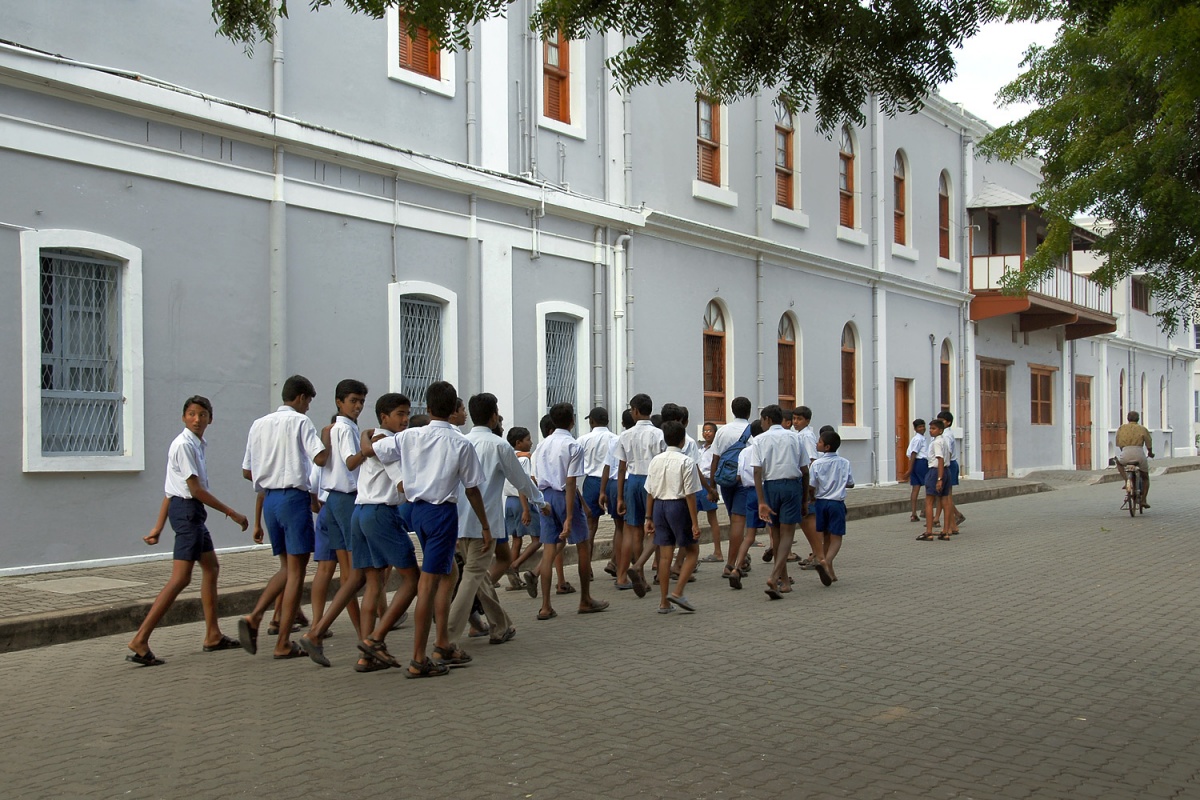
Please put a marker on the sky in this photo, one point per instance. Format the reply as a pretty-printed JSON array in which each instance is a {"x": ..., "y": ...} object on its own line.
[{"x": 989, "y": 60}]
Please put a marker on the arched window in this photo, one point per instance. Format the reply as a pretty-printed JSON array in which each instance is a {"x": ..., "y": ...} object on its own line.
[
  {"x": 849, "y": 377},
  {"x": 899, "y": 204},
  {"x": 846, "y": 179},
  {"x": 944, "y": 216},
  {"x": 784, "y": 155},
  {"x": 787, "y": 362},
  {"x": 944, "y": 377},
  {"x": 1121, "y": 398},
  {"x": 714, "y": 364}
]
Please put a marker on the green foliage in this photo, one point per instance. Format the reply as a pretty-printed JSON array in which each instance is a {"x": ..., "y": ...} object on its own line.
[
  {"x": 1117, "y": 130},
  {"x": 823, "y": 56}
]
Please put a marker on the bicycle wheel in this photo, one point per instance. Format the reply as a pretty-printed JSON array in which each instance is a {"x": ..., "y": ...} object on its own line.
[
  {"x": 1130, "y": 499},
  {"x": 1141, "y": 509}
]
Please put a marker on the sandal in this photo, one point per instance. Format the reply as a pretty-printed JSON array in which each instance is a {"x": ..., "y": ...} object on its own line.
[
  {"x": 225, "y": 644},
  {"x": 711, "y": 558},
  {"x": 925, "y": 537},
  {"x": 425, "y": 669},
  {"x": 565, "y": 588},
  {"x": 373, "y": 648},
  {"x": 296, "y": 652},
  {"x": 371, "y": 665},
  {"x": 551, "y": 615},
  {"x": 451, "y": 657},
  {"x": 945, "y": 537},
  {"x": 146, "y": 660}
]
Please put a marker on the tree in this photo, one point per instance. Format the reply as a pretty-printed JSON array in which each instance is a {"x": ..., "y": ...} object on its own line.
[
  {"x": 823, "y": 56},
  {"x": 1117, "y": 128}
]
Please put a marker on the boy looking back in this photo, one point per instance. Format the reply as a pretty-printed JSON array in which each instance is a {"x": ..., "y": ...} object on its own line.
[
  {"x": 830, "y": 477},
  {"x": 918, "y": 465},
  {"x": 339, "y": 479},
  {"x": 671, "y": 488}
]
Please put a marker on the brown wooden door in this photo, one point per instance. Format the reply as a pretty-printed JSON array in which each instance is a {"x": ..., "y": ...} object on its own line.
[
  {"x": 1083, "y": 422},
  {"x": 993, "y": 413},
  {"x": 902, "y": 420}
]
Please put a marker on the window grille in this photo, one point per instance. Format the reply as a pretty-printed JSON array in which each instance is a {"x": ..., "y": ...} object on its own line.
[
  {"x": 81, "y": 342},
  {"x": 560, "y": 361},
  {"x": 784, "y": 171},
  {"x": 420, "y": 348}
]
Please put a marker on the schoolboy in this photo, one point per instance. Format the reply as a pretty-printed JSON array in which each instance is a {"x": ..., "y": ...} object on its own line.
[
  {"x": 744, "y": 519},
  {"x": 531, "y": 580},
  {"x": 608, "y": 495},
  {"x": 499, "y": 464},
  {"x": 830, "y": 477},
  {"x": 708, "y": 432},
  {"x": 339, "y": 478},
  {"x": 597, "y": 444},
  {"x": 434, "y": 461},
  {"x": 937, "y": 481},
  {"x": 671, "y": 488},
  {"x": 186, "y": 494},
  {"x": 707, "y": 497},
  {"x": 673, "y": 412},
  {"x": 918, "y": 465},
  {"x": 518, "y": 519},
  {"x": 952, "y": 445},
  {"x": 279, "y": 450},
  {"x": 558, "y": 465},
  {"x": 324, "y": 556},
  {"x": 732, "y": 435},
  {"x": 802, "y": 427},
  {"x": 635, "y": 448},
  {"x": 378, "y": 540}
]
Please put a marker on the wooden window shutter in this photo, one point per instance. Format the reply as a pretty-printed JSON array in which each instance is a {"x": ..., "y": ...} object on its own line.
[
  {"x": 943, "y": 218},
  {"x": 708, "y": 141},
  {"x": 556, "y": 79},
  {"x": 419, "y": 54}
]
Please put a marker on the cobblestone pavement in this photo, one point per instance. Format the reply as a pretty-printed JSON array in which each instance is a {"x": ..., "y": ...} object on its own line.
[{"x": 1050, "y": 651}]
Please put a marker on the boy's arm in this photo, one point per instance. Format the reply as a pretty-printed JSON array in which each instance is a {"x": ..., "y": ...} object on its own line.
[
  {"x": 476, "y": 501},
  {"x": 526, "y": 517},
  {"x": 511, "y": 468},
  {"x": 604, "y": 489},
  {"x": 568, "y": 507},
  {"x": 691, "y": 501},
  {"x": 159, "y": 523},
  {"x": 648, "y": 523},
  {"x": 210, "y": 500},
  {"x": 764, "y": 510},
  {"x": 258, "y": 528},
  {"x": 621, "y": 487}
]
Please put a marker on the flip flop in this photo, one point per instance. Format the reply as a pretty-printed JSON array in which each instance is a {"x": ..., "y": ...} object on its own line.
[
  {"x": 566, "y": 588},
  {"x": 925, "y": 537},
  {"x": 225, "y": 644},
  {"x": 823, "y": 573},
  {"x": 611, "y": 569},
  {"x": 531, "y": 584},
  {"x": 682, "y": 602},
  {"x": 296, "y": 652},
  {"x": 247, "y": 636},
  {"x": 772, "y": 593},
  {"x": 624, "y": 586},
  {"x": 426, "y": 669},
  {"x": 314, "y": 651},
  {"x": 146, "y": 660},
  {"x": 507, "y": 636},
  {"x": 768, "y": 554},
  {"x": 551, "y": 615},
  {"x": 273, "y": 629},
  {"x": 735, "y": 580},
  {"x": 640, "y": 587},
  {"x": 711, "y": 559},
  {"x": 595, "y": 608},
  {"x": 667, "y": 610}
]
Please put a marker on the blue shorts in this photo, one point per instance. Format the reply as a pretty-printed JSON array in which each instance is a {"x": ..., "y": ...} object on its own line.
[
  {"x": 931, "y": 489},
  {"x": 786, "y": 499},
  {"x": 436, "y": 526},
  {"x": 380, "y": 538},
  {"x": 192, "y": 540},
  {"x": 729, "y": 496},
  {"x": 321, "y": 549},
  {"x": 341, "y": 508},
  {"x": 672, "y": 524},
  {"x": 552, "y": 523},
  {"x": 611, "y": 491},
  {"x": 405, "y": 511},
  {"x": 635, "y": 500},
  {"x": 287, "y": 515},
  {"x": 745, "y": 503},
  {"x": 916, "y": 477},
  {"x": 954, "y": 473},
  {"x": 591, "y": 496},
  {"x": 703, "y": 504},
  {"x": 512, "y": 519},
  {"x": 831, "y": 517}
]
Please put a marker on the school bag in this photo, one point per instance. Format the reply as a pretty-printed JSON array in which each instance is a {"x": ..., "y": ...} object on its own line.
[{"x": 726, "y": 473}]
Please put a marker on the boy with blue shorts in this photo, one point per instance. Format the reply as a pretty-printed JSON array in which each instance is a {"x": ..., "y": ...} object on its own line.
[
  {"x": 635, "y": 448},
  {"x": 829, "y": 478},
  {"x": 518, "y": 519},
  {"x": 597, "y": 444},
  {"x": 937, "y": 481},
  {"x": 434, "y": 461},
  {"x": 558, "y": 465},
  {"x": 323, "y": 555},
  {"x": 743, "y": 502},
  {"x": 186, "y": 495},
  {"x": 608, "y": 493},
  {"x": 952, "y": 447},
  {"x": 918, "y": 465},
  {"x": 671, "y": 488},
  {"x": 279, "y": 451}
]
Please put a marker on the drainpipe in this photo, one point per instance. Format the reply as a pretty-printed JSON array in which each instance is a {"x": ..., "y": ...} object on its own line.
[
  {"x": 759, "y": 325},
  {"x": 473, "y": 377},
  {"x": 472, "y": 104},
  {"x": 277, "y": 230},
  {"x": 598, "y": 318},
  {"x": 878, "y": 300},
  {"x": 623, "y": 312},
  {"x": 627, "y": 140},
  {"x": 531, "y": 119},
  {"x": 967, "y": 392}
]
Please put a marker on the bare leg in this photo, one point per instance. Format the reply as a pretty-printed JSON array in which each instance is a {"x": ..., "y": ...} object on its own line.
[
  {"x": 272, "y": 592},
  {"x": 583, "y": 551},
  {"x": 737, "y": 529},
  {"x": 374, "y": 581},
  {"x": 779, "y": 576},
  {"x": 345, "y": 595},
  {"x": 832, "y": 545},
  {"x": 913, "y": 496},
  {"x": 297, "y": 564},
  {"x": 691, "y": 554},
  {"x": 545, "y": 572},
  {"x": 427, "y": 588},
  {"x": 808, "y": 526},
  {"x": 928, "y": 514},
  {"x": 401, "y": 600},
  {"x": 441, "y": 613},
  {"x": 558, "y": 566},
  {"x": 714, "y": 524},
  {"x": 503, "y": 561},
  {"x": 349, "y": 575},
  {"x": 664, "y": 575},
  {"x": 210, "y": 570},
  {"x": 181, "y": 576},
  {"x": 320, "y": 586}
]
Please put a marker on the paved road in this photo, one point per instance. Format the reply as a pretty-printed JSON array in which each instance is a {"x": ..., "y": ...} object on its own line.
[{"x": 1050, "y": 651}]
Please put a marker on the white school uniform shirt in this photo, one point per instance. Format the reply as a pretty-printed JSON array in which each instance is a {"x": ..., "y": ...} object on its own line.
[
  {"x": 808, "y": 438},
  {"x": 185, "y": 458},
  {"x": 557, "y": 458},
  {"x": 638, "y": 445},
  {"x": 498, "y": 461},
  {"x": 526, "y": 466},
  {"x": 780, "y": 453},
  {"x": 280, "y": 448},
  {"x": 918, "y": 445},
  {"x": 434, "y": 459},
  {"x": 705, "y": 462},
  {"x": 745, "y": 468},
  {"x": 672, "y": 475},
  {"x": 830, "y": 476},
  {"x": 377, "y": 482},
  {"x": 951, "y": 445},
  {"x": 727, "y": 435},
  {"x": 939, "y": 448},
  {"x": 596, "y": 444},
  {"x": 314, "y": 484},
  {"x": 343, "y": 443}
]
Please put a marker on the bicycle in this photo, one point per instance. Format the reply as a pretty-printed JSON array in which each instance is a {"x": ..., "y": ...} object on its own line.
[{"x": 1134, "y": 492}]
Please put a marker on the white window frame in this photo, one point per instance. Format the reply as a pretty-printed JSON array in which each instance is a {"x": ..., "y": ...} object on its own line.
[
  {"x": 133, "y": 455},
  {"x": 577, "y": 63},
  {"x": 443, "y": 86},
  {"x": 583, "y": 356},
  {"x": 857, "y": 234},
  {"x": 422, "y": 290},
  {"x": 794, "y": 216}
]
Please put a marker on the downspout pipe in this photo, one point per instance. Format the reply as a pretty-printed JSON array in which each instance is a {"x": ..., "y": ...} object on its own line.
[
  {"x": 878, "y": 300},
  {"x": 472, "y": 103},
  {"x": 474, "y": 328},
  {"x": 277, "y": 232},
  {"x": 623, "y": 308},
  {"x": 598, "y": 353},
  {"x": 759, "y": 300}
]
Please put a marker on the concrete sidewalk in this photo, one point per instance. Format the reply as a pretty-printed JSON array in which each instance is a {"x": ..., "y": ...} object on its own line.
[{"x": 51, "y": 608}]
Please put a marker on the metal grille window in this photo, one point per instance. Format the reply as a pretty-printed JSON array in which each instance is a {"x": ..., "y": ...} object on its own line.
[
  {"x": 560, "y": 361},
  {"x": 421, "y": 349},
  {"x": 81, "y": 346}
]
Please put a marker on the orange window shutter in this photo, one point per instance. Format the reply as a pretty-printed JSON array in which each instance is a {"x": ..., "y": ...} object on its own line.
[
  {"x": 898, "y": 232},
  {"x": 783, "y": 189}
]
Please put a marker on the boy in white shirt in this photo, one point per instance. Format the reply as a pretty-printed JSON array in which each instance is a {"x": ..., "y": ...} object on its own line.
[
  {"x": 635, "y": 448},
  {"x": 339, "y": 479},
  {"x": 708, "y": 432},
  {"x": 744, "y": 514},
  {"x": 186, "y": 495},
  {"x": 608, "y": 494},
  {"x": 671, "y": 488},
  {"x": 830, "y": 477},
  {"x": 518, "y": 518},
  {"x": 918, "y": 465},
  {"x": 937, "y": 481}
]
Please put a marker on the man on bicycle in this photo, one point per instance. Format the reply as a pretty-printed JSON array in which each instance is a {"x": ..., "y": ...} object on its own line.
[{"x": 1133, "y": 443}]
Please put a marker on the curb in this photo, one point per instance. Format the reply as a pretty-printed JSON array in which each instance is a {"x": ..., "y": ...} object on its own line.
[{"x": 1115, "y": 477}]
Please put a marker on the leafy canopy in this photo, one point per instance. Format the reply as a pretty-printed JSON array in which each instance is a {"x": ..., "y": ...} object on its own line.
[
  {"x": 822, "y": 56},
  {"x": 1117, "y": 128}
]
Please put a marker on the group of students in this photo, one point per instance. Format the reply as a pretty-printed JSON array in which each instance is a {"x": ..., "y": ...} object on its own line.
[
  {"x": 371, "y": 487},
  {"x": 933, "y": 459}
]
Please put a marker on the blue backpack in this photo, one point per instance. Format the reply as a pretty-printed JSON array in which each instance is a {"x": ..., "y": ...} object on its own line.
[{"x": 726, "y": 473}]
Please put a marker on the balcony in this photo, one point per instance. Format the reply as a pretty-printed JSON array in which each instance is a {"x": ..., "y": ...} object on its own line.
[{"x": 1062, "y": 298}]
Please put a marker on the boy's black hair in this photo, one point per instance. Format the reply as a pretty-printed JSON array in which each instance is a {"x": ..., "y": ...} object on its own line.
[
  {"x": 937, "y": 422},
  {"x": 685, "y": 415},
  {"x": 546, "y": 425},
  {"x": 483, "y": 407},
  {"x": 348, "y": 387},
  {"x": 918, "y": 422},
  {"x": 441, "y": 398},
  {"x": 627, "y": 421},
  {"x": 297, "y": 386},
  {"x": 656, "y": 420},
  {"x": 804, "y": 412},
  {"x": 674, "y": 433},
  {"x": 756, "y": 428},
  {"x": 705, "y": 425},
  {"x": 947, "y": 417},
  {"x": 418, "y": 420},
  {"x": 741, "y": 407},
  {"x": 198, "y": 400},
  {"x": 389, "y": 402},
  {"x": 598, "y": 415},
  {"x": 671, "y": 413},
  {"x": 825, "y": 428},
  {"x": 642, "y": 404},
  {"x": 772, "y": 412},
  {"x": 563, "y": 415},
  {"x": 832, "y": 441},
  {"x": 517, "y": 434}
]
